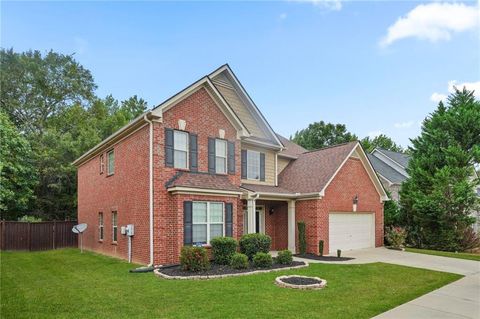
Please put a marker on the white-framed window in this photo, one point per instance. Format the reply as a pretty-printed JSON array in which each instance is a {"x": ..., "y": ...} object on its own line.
[
  {"x": 180, "y": 146},
  {"x": 100, "y": 226},
  {"x": 102, "y": 164},
  {"x": 207, "y": 221},
  {"x": 110, "y": 162},
  {"x": 253, "y": 165},
  {"x": 114, "y": 227},
  {"x": 220, "y": 156}
]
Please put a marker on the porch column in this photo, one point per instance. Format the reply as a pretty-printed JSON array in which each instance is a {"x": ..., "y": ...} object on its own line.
[
  {"x": 291, "y": 226},
  {"x": 251, "y": 216}
]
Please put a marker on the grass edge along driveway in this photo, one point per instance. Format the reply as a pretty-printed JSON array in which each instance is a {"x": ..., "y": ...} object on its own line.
[
  {"x": 467, "y": 256},
  {"x": 67, "y": 284}
]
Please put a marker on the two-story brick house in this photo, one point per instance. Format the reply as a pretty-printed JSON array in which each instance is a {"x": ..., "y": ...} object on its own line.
[{"x": 206, "y": 163}]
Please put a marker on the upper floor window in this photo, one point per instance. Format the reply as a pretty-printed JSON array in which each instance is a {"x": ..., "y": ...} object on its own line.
[
  {"x": 180, "y": 146},
  {"x": 253, "y": 165},
  {"x": 102, "y": 164},
  {"x": 111, "y": 162},
  {"x": 220, "y": 156},
  {"x": 100, "y": 226}
]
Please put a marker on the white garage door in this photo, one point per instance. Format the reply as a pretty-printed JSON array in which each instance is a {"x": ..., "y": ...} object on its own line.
[{"x": 351, "y": 231}]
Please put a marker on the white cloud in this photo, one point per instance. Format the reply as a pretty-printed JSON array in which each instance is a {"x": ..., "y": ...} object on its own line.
[
  {"x": 404, "y": 124},
  {"x": 433, "y": 22},
  {"x": 374, "y": 134},
  {"x": 282, "y": 16},
  {"x": 437, "y": 97},
  {"x": 334, "y": 5},
  {"x": 471, "y": 86}
]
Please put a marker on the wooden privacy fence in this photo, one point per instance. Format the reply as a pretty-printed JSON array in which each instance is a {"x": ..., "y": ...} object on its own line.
[{"x": 37, "y": 236}]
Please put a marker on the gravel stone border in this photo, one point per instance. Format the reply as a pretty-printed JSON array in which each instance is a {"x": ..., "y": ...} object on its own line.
[
  {"x": 158, "y": 273},
  {"x": 279, "y": 282}
]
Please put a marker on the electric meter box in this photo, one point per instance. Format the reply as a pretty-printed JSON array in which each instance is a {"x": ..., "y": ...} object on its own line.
[
  {"x": 123, "y": 230},
  {"x": 130, "y": 230}
]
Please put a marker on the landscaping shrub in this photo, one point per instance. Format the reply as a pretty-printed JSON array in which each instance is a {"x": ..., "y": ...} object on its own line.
[
  {"x": 396, "y": 236},
  {"x": 285, "y": 257},
  {"x": 239, "y": 261},
  {"x": 194, "y": 258},
  {"x": 320, "y": 247},
  {"x": 470, "y": 240},
  {"x": 223, "y": 248},
  {"x": 250, "y": 244},
  {"x": 262, "y": 260},
  {"x": 302, "y": 238},
  {"x": 339, "y": 253}
]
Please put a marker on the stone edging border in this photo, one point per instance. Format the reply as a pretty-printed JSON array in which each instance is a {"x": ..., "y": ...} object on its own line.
[
  {"x": 158, "y": 273},
  {"x": 279, "y": 282}
]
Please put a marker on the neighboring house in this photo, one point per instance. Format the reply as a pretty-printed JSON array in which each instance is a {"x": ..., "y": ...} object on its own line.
[
  {"x": 391, "y": 167},
  {"x": 206, "y": 163}
]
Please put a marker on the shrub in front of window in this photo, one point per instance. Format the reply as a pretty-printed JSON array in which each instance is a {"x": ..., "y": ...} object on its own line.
[
  {"x": 302, "y": 238},
  {"x": 223, "y": 248},
  {"x": 250, "y": 244},
  {"x": 194, "y": 258},
  {"x": 320, "y": 248},
  {"x": 239, "y": 261},
  {"x": 284, "y": 257},
  {"x": 262, "y": 260}
]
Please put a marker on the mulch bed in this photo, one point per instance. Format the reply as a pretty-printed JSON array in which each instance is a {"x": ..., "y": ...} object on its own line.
[
  {"x": 301, "y": 281},
  {"x": 221, "y": 270},
  {"x": 323, "y": 258}
]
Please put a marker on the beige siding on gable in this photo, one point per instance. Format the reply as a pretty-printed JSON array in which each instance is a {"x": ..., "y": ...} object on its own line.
[
  {"x": 282, "y": 163},
  {"x": 226, "y": 88},
  {"x": 269, "y": 166}
]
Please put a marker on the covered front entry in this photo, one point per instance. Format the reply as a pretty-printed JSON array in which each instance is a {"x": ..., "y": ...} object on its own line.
[
  {"x": 349, "y": 231},
  {"x": 270, "y": 217}
]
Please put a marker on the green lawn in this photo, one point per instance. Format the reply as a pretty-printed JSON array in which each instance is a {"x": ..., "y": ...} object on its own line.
[
  {"x": 67, "y": 284},
  {"x": 445, "y": 253}
]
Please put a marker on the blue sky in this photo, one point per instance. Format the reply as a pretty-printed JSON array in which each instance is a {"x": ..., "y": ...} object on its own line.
[{"x": 301, "y": 61}]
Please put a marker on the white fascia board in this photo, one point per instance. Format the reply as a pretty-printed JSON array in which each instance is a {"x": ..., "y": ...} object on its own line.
[
  {"x": 253, "y": 106},
  {"x": 378, "y": 185},
  {"x": 226, "y": 109},
  {"x": 136, "y": 123},
  {"x": 261, "y": 144},
  {"x": 193, "y": 190}
]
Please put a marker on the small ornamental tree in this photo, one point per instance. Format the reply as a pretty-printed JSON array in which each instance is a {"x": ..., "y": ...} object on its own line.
[{"x": 302, "y": 238}]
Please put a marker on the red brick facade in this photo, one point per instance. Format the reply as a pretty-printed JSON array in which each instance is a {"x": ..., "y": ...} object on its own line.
[
  {"x": 127, "y": 190},
  {"x": 352, "y": 179}
]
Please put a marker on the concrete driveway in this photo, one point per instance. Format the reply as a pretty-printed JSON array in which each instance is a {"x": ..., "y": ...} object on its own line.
[{"x": 460, "y": 299}]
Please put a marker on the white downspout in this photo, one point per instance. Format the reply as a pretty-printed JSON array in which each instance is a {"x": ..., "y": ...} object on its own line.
[{"x": 150, "y": 199}]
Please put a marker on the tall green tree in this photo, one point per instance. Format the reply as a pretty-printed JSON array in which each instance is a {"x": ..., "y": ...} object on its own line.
[
  {"x": 50, "y": 99},
  {"x": 439, "y": 196},
  {"x": 382, "y": 141},
  {"x": 36, "y": 87},
  {"x": 17, "y": 174},
  {"x": 321, "y": 134}
]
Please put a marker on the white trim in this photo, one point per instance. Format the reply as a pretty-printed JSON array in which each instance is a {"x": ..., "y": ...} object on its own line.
[
  {"x": 379, "y": 187},
  {"x": 262, "y": 144},
  {"x": 192, "y": 190},
  {"x": 224, "y": 157},
  {"x": 261, "y": 209},
  {"x": 104, "y": 144},
  {"x": 240, "y": 88},
  {"x": 111, "y": 151},
  {"x": 150, "y": 188}
]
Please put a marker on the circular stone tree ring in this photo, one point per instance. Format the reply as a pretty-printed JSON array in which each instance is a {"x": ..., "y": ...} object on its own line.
[{"x": 300, "y": 282}]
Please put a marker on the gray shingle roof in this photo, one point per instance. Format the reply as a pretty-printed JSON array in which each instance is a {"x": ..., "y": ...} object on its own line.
[
  {"x": 386, "y": 171},
  {"x": 400, "y": 158}
]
